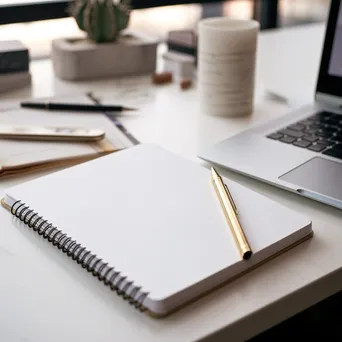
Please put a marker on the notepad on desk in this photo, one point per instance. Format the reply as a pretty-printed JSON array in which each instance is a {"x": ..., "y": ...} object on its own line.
[
  {"x": 21, "y": 157},
  {"x": 149, "y": 225}
]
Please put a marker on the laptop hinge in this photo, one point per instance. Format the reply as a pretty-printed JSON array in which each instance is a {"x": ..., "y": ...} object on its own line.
[{"x": 329, "y": 101}]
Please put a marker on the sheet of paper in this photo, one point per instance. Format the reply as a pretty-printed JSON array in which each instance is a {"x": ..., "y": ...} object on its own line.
[{"x": 15, "y": 153}]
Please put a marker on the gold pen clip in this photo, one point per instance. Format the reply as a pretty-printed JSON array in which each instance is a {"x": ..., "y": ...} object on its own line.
[{"x": 231, "y": 198}]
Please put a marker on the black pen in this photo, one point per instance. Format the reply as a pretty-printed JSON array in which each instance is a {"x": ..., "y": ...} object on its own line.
[{"x": 74, "y": 107}]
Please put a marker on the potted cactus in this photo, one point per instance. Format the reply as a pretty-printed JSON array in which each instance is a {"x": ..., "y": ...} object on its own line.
[
  {"x": 108, "y": 49},
  {"x": 102, "y": 20}
]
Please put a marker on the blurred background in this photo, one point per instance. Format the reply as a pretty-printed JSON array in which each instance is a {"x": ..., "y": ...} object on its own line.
[{"x": 37, "y": 22}]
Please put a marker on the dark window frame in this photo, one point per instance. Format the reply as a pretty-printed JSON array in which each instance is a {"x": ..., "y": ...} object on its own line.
[
  {"x": 33, "y": 11},
  {"x": 36, "y": 11},
  {"x": 265, "y": 11}
]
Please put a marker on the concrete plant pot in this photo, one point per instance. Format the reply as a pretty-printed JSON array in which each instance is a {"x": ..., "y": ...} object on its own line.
[{"x": 82, "y": 59}]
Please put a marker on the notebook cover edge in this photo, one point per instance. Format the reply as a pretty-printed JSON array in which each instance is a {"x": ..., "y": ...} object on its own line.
[{"x": 282, "y": 251}]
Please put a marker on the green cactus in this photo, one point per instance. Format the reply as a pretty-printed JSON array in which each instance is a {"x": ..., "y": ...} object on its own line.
[{"x": 103, "y": 20}]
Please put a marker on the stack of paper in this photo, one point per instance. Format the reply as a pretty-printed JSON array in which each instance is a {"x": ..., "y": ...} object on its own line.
[{"x": 18, "y": 157}]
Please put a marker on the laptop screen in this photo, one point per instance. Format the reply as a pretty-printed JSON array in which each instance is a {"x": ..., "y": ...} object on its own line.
[
  {"x": 330, "y": 73},
  {"x": 335, "y": 67}
]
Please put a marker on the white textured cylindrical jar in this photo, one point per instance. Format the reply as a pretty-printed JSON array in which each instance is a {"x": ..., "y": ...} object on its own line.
[{"x": 226, "y": 65}]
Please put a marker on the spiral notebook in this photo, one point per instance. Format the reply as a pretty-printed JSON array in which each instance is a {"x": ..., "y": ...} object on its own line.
[{"x": 148, "y": 224}]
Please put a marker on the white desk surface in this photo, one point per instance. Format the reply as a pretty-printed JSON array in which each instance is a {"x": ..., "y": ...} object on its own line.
[{"x": 45, "y": 297}]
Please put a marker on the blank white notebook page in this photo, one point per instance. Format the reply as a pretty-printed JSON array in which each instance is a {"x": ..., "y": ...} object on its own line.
[{"x": 156, "y": 218}]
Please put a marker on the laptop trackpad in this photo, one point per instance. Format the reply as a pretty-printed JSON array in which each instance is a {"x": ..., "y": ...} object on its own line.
[{"x": 318, "y": 175}]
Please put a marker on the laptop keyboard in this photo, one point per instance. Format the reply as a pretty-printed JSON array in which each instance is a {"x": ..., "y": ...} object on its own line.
[{"x": 321, "y": 132}]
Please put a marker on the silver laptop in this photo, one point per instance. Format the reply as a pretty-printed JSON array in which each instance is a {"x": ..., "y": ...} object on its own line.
[{"x": 302, "y": 151}]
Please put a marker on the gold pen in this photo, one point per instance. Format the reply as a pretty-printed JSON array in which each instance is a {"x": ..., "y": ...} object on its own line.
[{"x": 230, "y": 211}]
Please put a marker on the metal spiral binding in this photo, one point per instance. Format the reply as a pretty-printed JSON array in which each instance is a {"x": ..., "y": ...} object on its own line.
[{"x": 93, "y": 264}]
